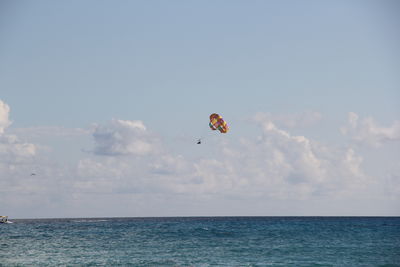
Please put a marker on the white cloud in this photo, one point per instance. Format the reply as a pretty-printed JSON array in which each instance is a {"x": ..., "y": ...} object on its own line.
[
  {"x": 16, "y": 164},
  {"x": 124, "y": 137},
  {"x": 369, "y": 132},
  {"x": 295, "y": 165},
  {"x": 4, "y": 121},
  {"x": 11, "y": 148}
]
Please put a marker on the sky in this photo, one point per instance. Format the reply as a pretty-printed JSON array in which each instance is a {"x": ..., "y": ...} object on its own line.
[{"x": 102, "y": 102}]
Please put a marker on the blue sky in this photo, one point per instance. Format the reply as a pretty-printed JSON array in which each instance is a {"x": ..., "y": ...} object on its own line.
[{"x": 309, "y": 88}]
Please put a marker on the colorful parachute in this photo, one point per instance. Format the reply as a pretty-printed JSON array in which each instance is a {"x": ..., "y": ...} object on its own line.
[{"x": 218, "y": 123}]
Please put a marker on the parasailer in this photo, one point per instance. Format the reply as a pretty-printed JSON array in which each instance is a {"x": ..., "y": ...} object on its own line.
[{"x": 218, "y": 123}]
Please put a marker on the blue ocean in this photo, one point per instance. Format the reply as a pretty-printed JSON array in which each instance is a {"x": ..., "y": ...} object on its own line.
[{"x": 202, "y": 241}]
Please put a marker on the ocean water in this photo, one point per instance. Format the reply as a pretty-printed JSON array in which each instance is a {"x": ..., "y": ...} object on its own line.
[{"x": 202, "y": 241}]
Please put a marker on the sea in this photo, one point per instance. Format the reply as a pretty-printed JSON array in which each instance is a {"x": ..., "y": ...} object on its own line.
[{"x": 202, "y": 241}]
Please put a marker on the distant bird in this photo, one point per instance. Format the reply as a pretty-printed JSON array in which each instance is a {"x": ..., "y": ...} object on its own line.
[{"x": 32, "y": 174}]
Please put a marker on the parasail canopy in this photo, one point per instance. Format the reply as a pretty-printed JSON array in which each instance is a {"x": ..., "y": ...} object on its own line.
[{"x": 218, "y": 123}]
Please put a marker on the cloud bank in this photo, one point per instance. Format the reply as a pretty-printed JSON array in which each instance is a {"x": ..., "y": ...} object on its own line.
[
  {"x": 275, "y": 164},
  {"x": 130, "y": 171}
]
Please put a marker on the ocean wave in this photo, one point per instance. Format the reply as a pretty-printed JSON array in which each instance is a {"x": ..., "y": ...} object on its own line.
[{"x": 89, "y": 220}]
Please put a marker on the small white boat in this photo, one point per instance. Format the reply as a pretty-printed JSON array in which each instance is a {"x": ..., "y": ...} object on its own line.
[{"x": 3, "y": 219}]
